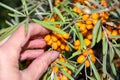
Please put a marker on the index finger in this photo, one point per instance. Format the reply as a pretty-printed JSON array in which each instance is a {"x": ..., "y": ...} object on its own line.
[{"x": 18, "y": 39}]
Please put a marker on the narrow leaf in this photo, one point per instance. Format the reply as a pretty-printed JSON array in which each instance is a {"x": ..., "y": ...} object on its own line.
[
  {"x": 66, "y": 74},
  {"x": 94, "y": 33},
  {"x": 25, "y": 6},
  {"x": 57, "y": 11},
  {"x": 48, "y": 26},
  {"x": 99, "y": 37},
  {"x": 104, "y": 65},
  {"x": 117, "y": 51},
  {"x": 113, "y": 68},
  {"x": 75, "y": 54},
  {"x": 11, "y": 9},
  {"x": 94, "y": 69}
]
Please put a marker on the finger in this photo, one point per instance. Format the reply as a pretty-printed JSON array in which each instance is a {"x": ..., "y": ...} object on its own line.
[
  {"x": 39, "y": 65},
  {"x": 31, "y": 54},
  {"x": 19, "y": 38},
  {"x": 37, "y": 43}
]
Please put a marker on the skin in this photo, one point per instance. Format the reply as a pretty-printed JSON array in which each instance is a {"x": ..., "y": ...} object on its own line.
[{"x": 15, "y": 48}]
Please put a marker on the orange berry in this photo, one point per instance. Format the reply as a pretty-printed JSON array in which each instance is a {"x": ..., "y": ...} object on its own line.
[
  {"x": 52, "y": 19},
  {"x": 81, "y": 59},
  {"x": 66, "y": 36},
  {"x": 84, "y": 32},
  {"x": 57, "y": 2},
  {"x": 64, "y": 77},
  {"x": 114, "y": 33},
  {"x": 58, "y": 42},
  {"x": 77, "y": 43},
  {"x": 95, "y": 16},
  {"x": 54, "y": 45},
  {"x": 50, "y": 42},
  {"x": 93, "y": 58},
  {"x": 67, "y": 48},
  {"x": 55, "y": 69},
  {"x": 47, "y": 37},
  {"x": 88, "y": 22},
  {"x": 62, "y": 60},
  {"x": 54, "y": 38},
  {"x": 89, "y": 27},
  {"x": 89, "y": 36},
  {"x": 69, "y": 72},
  {"x": 104, "y": 3},
  {"x": 87, "y": 42},
  {"x": 87, "y": 63},
  {"x": 85, "y": 17},
  {"x": 88, "y": 51},
  {"x": 82, "y": 27},
  {"x": 77, "y": 47},
  {"x": 65, "y": 69},
  {"x": 94, "y": 22},
  {"x": 62, "y": 46},
  {"x": 78, "y": 24}
]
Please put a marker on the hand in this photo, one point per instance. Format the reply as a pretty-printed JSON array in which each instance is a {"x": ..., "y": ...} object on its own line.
[{"x": 10, "y": 54}]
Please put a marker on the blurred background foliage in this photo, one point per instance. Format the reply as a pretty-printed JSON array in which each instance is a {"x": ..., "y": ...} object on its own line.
[{"x": 4, "y": 12}]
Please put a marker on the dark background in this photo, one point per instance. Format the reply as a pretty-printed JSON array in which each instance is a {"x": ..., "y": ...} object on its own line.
[{"x": 4, "y": 12}]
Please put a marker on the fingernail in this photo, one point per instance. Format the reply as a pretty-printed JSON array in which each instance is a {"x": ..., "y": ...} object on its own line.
[{"x": 54, "y": 55}]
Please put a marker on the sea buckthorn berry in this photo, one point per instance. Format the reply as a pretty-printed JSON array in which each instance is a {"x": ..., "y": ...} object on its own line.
[
  {"x": 55, "y": 69},
  {"x": 95, "y": 21},
  {"x": 67, "y": 48},
  {"x": 87, "y": 42},
  {"x": 50, "y": 42},
  {"x": 54, "y": 45},
  {"x": 93, "y": 58},
  {"x": 64, "y": 77},
  {"x": 85, "y": 17},
  {"x": 114, "y": 33},
  {"x": 58, "y": 42},
  {"x": 62, "y": 46},
  {"x": 89, "y": 22},
  {"x": 62, "y": 60},
  {"x": 81, "y": 59},
  {"x": 104, "y": 3},
  {"x": 57, "y": 2},
  {"x": 88, "y": 51},
  {"x": 66, "y": 36},
  {"x": 52, "y": 19},
  {"x": 89, "y": 36},
  {"x": 47, "y": 37},
  {"x": 65, "y": 69},
  {"x": 69, "y": 72},
  {"x": 87, "y": 63},
  {"x": 95, "y": 16},
  {"x": 84, "y": 32},
  {"x": 77, "y": 43},
  {"x": 54, "y": 38},
  {"x": 82, "y": 27},
  {"x": 78, "y": 24},
  {"x": 89, "y": 27}
]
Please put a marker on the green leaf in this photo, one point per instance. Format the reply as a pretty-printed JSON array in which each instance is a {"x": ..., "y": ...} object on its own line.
[
  {"x": 99, "y": 36},
  {"x": 80, "y": 36},
  {"x": 66, "y": 74},
  {"x": 15, "y": 15},
  {"x": 111, "y": 54},
  {"x": 48, "y": 26},
  {"x": 91, "y": 78},
  {"x": 113, "y": 68},
  {"x": 26, "y": 25},
  {"x": 104, "y": 65},
  {"x": 94, "y": 69},
  {"x": 104, "y": 45},
  {"x": 11, "y": 31},
  {"x": 67, "y": 65},
  {"x": 117, "y": 51},
  {"x": 25, "y": 6},
  {"x": 57, "y": 11},
  {"x": 95, "y": 32},
  {"x": 55, "y": 76},
  {"x": 80, "y": 68},
  {"x": 11, "y": 9},
  {"x": 50, "y": 4},
  {"x": 75, "y": 54}
]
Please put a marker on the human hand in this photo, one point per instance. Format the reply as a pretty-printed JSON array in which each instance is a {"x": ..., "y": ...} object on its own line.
[{"x": 10, "y": 54}]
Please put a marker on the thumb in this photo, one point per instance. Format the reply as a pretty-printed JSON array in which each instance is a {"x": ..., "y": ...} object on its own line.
[{"x": 39, "y": 66}]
